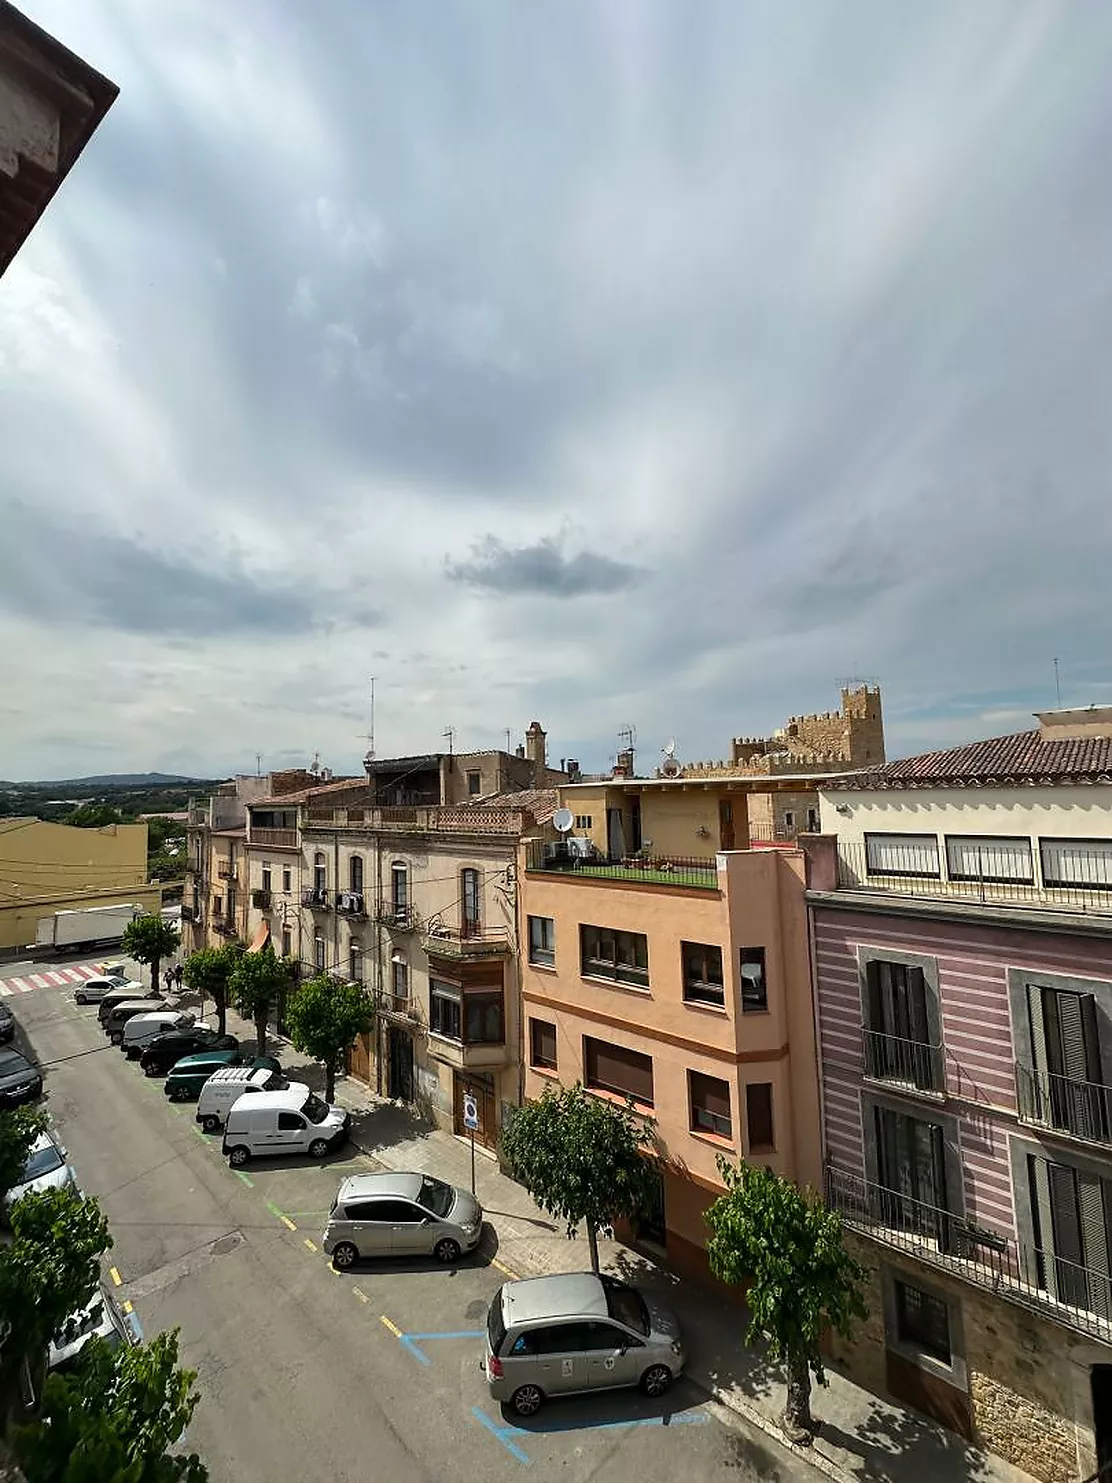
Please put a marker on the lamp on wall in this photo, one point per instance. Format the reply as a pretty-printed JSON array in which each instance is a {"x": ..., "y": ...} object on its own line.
[{"x": 703, "y": 832}]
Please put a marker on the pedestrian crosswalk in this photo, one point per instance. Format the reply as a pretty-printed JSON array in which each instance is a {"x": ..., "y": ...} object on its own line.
[{"x": 56, "y": 978}]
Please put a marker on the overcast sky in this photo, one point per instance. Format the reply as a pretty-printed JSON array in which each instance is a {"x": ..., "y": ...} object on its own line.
[{"x": 604, "y": 363}]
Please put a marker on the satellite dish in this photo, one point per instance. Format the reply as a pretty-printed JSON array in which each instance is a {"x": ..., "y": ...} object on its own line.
[
  {"x": 669, "y": 766},
  {"x": 563, "y": 819}
]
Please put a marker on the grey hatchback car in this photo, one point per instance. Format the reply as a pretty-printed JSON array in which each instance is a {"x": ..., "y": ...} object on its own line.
[
  {"x": 575, "y": 1331},
  {"x": 395, "y": 1214}
]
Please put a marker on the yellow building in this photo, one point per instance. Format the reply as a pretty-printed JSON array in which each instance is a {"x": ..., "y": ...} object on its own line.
[{"x": 45, "y": 868}]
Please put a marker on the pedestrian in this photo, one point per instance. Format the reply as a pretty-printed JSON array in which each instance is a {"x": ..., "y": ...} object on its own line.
[
  {"x": 179, "y": 974},
  {"x": 168, "y": 979}
]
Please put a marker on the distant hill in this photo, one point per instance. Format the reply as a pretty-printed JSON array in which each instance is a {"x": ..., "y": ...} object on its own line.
[{"x": 113, "y": 780}]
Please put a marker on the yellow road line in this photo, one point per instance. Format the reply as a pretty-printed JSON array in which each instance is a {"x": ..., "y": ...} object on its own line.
[
  {"x": 286, "y": 1221},
  {"x": 510, "y": 1273},
  {"x": 312, "y": 1245},
  {"x": 361, "y": 1295},
  {"x": 127, "y": 1305},
  {"x": 114, "y": 1273},
  {"x": 393, "y": 1327}
]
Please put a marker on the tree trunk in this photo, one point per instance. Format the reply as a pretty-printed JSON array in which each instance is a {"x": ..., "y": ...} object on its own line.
[
  {"x": 156, "y": 988},
  {"x": 798, "y": 1423},
  {"x": 221, "y": 1011},
  {"x": 260, "y": 1032},
  {"x": 330, "y": 1082},
  {"x": 592, "y": 1242}
]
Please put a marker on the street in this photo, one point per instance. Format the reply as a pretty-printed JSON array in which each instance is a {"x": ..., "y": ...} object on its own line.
[{"x": 304, "y": 1372}]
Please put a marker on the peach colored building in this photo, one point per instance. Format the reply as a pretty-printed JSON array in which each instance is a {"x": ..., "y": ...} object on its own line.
[{"x": 684, "y": 985}]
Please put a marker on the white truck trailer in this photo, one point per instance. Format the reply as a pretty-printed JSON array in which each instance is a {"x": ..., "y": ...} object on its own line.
[{"x": 86, "y": 927}]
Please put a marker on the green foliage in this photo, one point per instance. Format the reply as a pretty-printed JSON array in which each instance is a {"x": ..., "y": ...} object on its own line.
[
  {"x": 149, "y": 939},
  {"x": 18, "y": 1131},
  {"x": 96, "y": 816},
  {"x": 324, "y": 1018},
  {"x": 161, "y": 830},
  {"x": 50, "y": 1269},
  {"x": 113, "y": 1419},
  {"x": 256, "y": 984},
  {"x": 788, "y": 1246},
  {"x": 209, "y": 970},
  {"x": 582, "y": 1159}
]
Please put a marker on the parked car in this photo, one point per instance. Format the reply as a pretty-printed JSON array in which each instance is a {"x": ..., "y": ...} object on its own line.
[
  {"x": 188, "y": 1076},
  {"x": 20, "y": 1079},
  {"x": 224, "y": 1089},
  {"x": 93, "y": 990},
  {"x": 46, "y": 1168},
  {"x": 168, "y": 1048},
  {"x": 401, "y": 1215},
  {"x": 100, "y": 1318},
  {"x": 276, "y": 1123},
  {"x": 125, "y": 1010},
  {"x": 7, "y": 1023},
  {"x": 111, "y": 1001},
  {"x": 141, "y": 1029},
  {"x": 576, "y": 1331}
]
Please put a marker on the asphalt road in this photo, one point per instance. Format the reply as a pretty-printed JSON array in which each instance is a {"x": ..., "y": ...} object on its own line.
[{"x": 306, "y": 1373}]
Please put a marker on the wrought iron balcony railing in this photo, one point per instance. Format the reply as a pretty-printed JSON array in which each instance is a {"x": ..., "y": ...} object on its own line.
[
  {"x": 911, "y": 1063},
  {"x": 1082, "y": 1108},
  {"x": 351, "y": 904},
  {"x": 315, "y": 896}
]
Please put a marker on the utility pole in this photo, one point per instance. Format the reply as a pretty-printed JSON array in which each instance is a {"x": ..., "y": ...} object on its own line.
[
  {"x": 449, "y": 733},
  {"x": 1057, "y": 684}
]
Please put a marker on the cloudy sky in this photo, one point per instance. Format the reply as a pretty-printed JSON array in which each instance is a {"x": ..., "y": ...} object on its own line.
[{"x": 602, "y": 363}]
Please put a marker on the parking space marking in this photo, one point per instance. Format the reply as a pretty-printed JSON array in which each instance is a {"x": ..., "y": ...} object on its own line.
[
  {"x": 114, "y": 1273},
  {"x": 22, "y": 985},
  {"x": 312, "y": 1245},
  {"x": 56, "y": 978},
  {"x": 508, "y": 1271},
  {"x": 418, "y": 1354},
  {"x": 127, "y": 1305},
  {"x": 246, "y": 1178},
  {"x": 38, "y": 980},
  {"x": 391, "y": 1325},
  {"x": 273, "y": 1208},
  {"x": 502, "y": 1433},
  {"x": 286, "y": 1221},
  {"x": 5, "y": 992},
  {"x": 450, "y": 1334},
  {"x": 361, "y": 1295}
]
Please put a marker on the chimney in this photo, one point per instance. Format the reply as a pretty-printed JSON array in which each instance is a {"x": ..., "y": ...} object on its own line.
[
  {"x": 536, "y": 751},
  {"x": 573, "y": 770}
]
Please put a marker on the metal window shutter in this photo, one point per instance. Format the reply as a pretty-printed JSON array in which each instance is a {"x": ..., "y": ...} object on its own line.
[
  {"x": 917, "y": 1005},
  {"x": 1044, "y": 1273},
  {"x": 1037, "y": 1021},
  {"x": 1094, "y": 1241},
  {"x": 1064, "y": 1213}
]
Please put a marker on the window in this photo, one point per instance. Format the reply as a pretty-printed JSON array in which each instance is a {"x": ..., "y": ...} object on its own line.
[
  {"x": 542, "y": 1044},
  {"x": 1072, "y": 1212},
  {"x": 470, "y": 920},
  {"x": 702, "y": 973},
  {"x": 897, "y": 1034},
  {"x": 922, "y": 1321},
  {"x": 789, "y": 819},
  {"x": 988, "y": 858},
  {"x": 911, "y": 1172},
  {"x": 754, "y": 987},
  {"x": 710, "y": 1104},
  {"x": 444, "y": 1010},
  {"x": 320, "y": 875},
  {"x": 542, "y": 941},
  {"x": 355, "y": 874},
  {"x": 385, "y": 1212},
  {"x": 318, "y": 951},
  {"x": 812, "y": 821},
  {"x": 399, "y": 889},
  {"x": 621, "y": 956},
  {"x": 902, "y": 854},
  {"x": 1077, "y": 862},
  {"x": 290, "y": 1122},
  {"x": 584, "y": 821},
  {"x": 615, "y": 1068},
  {"x": 287, "y": 943},
  {"x": 758, "y": 1115},
  {"x": 483, "y": 1020},
  {"x": 400, "y": 979},
  {"x": 217, "y": 905},
  {"x": 287, "y": 879},
  {"x": 266, "y": 875},
  {"x": 474, "y": 783},
  {"x": 355, "y": 962},
  {"x": 1065, "y": 1089}
]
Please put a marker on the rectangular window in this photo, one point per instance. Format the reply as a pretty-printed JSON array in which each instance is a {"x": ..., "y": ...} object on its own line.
[
  {"x": 1073, "y": 1216},
  {"x": 911, "y": 1172},
  {"x": 710, "y": 1104},
  {"x": 812, "y": 821},
  {"x": 922, "y": 1321},
  {"x": 355, "y": 874},
  {"x": 897, "y": 1036},
  {"x": 1077, "y": 862},
  {"x": 445, "y": 1015},
  {"x": 287, "y": 879},
  {"x": 583, "y": 821},
  {"x": 542, "y": 941},
  {"x": 483, "y": 1018},
  {"x": 355, "y": 963},
  {"x": 702, "y": 973},
  {"x": 318, "y": 952},
  {"x": 399, "y": 889},
  {"x": 902, "y": 854},
  {"x": 470, "y": 897},
  {"x": 995, "y": 858},
  {"x": 789, "y": 819},
  {"x": 1065, "y": 1087},
  {"x": 217, "y": 905},
  {"x": 266, "y": 877},
  {"x": 542, "y": 1044},
  {"x": 754, "y": 987},
  {"x": 287, "y": 943},
  {"x": 758, "y": 1115},
  {"x": 474, "y": 783},
  {"x": 400, "y": 980},
  {"x": 620, "y": 956},
  {"x": 615, "y": 1068}
]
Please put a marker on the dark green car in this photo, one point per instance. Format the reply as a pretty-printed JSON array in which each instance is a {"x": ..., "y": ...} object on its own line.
[{"x": 189, "y": 1075}]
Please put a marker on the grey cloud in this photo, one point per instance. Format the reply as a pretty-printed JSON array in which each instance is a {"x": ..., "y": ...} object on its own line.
[{"x": 542, "y": 568}]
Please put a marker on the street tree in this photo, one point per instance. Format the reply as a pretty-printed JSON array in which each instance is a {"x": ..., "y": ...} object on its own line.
[
  {"x": 208, "y": 971},
  {"x": 324, "y": 1017},
  {"x": 787, "y": 1247},
  {"x": 18, "y": 1131},
  {"x": 149, "y": 939},
  {"x": 113, "y": 1419},
  {"x": 582, "y": 1159},
  {"x": 256, "y": 984}
]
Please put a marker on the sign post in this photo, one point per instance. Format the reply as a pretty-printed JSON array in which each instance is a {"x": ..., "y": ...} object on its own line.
[{"x": 471, "y": 1122}]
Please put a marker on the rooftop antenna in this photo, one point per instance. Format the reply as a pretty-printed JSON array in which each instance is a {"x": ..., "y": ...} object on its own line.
[
  {"x": 669, "y": 766},
  {"x": 259, "y": 763},
  {"x": 508, "y": 735},
  {"x": 449, "y": 733},
  {"x": 369, "y": 736},
  {"x": 1058, "y": 684}
]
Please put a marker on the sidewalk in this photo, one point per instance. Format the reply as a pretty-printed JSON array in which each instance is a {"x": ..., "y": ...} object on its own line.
[{"x": 861, "y": 1436}]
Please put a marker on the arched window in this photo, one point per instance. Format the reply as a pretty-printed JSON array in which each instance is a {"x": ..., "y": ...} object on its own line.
[
  {"x": 318, "y": 951},
  {"x": 470, "y": 896},
  {"x": 355, "y": 961},
  {"x": 320, "y": 875},
  {"x": 355, "y": 874}
]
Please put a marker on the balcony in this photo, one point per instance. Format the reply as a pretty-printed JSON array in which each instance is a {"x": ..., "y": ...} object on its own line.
[
  {"x": 187, "y": 914},
  {"x": 398, "y": 917},
  {"x": 1075, "y": 1296},
  {"x": 468, "y": 1055},
  {"x": 400, "y": 1009},
  {"x": 914, "y": 1064},
  {"x": 225, "y": 926},
  {"x": 565, "y": 858},
  {"x": 261, "y": 900},
  {"x": 226, "y": 871},
  {"x": 278, "y": 839},
  {"x": 466, "y": 940},
  {"x": 351, "y": 904},
  {"x": 1082, "y": 1109},
  {"x": 316, "y": 897}
]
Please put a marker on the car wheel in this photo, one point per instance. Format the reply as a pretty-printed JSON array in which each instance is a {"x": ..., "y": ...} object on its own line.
[
  {"x": 211, "y": 1124},
  {"x": 80, "y": 999},
  {"x": 446, "y": 1251},
  {"x": 239, "y": 1156},
  {"x": 344, "y": 1256},
  {"x": 527, "y": 1400},
  {"x": 151, "y": 1070},
  {"x": 117, "y": 1039},
  {"x": 318, "y": 1148},
  {"x": 656, "y": 1380}
]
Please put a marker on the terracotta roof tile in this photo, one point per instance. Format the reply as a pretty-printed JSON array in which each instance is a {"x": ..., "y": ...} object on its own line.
[
  {"x": 1024, "y": 757},
  {"x": 541, "y": 802}
]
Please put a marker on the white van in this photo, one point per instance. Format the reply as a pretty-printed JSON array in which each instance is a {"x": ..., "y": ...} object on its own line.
[
  {"x": 141, "y": 1028},
  {"x": 224, "y": 1088},
  {"x": 270, "y": 1124}
]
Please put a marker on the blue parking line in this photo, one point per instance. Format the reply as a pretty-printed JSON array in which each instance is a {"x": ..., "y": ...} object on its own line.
[
  {"x": 502, "y": 1433},
  {"x": 417, "y": 1354},
  {"x": 451, "y": 1334}
]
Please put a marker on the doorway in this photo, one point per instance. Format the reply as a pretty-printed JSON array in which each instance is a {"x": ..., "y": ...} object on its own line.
[
  {"x": 649, "y": 1224},
  {"x": 1101, "y": 1382},
  {"x": 615, "y": 835},
  {"x": 399, "y": 1064},
  {"x": 482, "y": 1089},
  {"x": 725, "y": 824}
]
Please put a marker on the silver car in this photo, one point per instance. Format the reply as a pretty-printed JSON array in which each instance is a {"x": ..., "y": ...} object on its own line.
[
  {"x": 401, "y": 1215},
  {"x": 46, "y": 1168},
  {"x": 93, "y": 990},
  {"x": 575, "y": 1331}
]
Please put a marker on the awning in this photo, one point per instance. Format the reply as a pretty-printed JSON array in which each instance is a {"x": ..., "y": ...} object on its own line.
[{"x": 261, "y": 938}]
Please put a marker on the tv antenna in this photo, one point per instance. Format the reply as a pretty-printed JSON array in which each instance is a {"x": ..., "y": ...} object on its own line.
[
  {"x": 369, "y": 736},
  {"x": 449, "y": 733},
  {"x": 1058, "y": 684},
  {"x": 508, "y": 735},
  {"x": 259, "y": 759}
]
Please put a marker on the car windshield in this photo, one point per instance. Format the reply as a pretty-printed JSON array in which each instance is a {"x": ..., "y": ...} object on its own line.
[
  {"x": 10, "y": 1062},
  {"x": 626, "y": 1305},
  {"x": 436, "y": 1196},
  {"x": 42, "y": 1161},
  {"x": 314, "y": 1109}
]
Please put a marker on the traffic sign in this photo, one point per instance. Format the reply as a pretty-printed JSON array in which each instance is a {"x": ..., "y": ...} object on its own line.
[{"x": 470, "y": 1111}]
